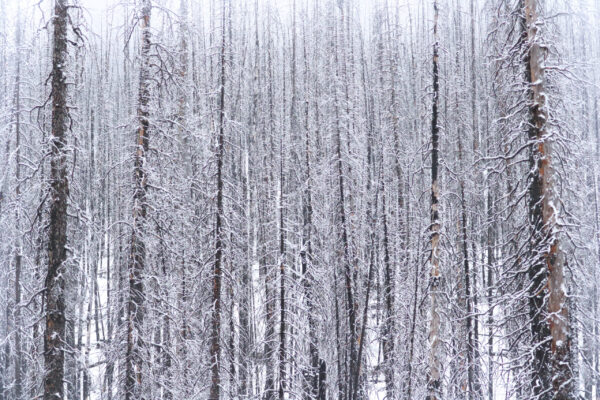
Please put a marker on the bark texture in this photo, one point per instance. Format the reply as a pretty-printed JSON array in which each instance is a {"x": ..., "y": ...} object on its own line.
[
  {"x": 215, "y": 350},
  {"x": 552, "y": 375},
  {"x": 54, "y": 338},
  {"x": 434, "y": 378},
  {"x": 137, "y": 260}
]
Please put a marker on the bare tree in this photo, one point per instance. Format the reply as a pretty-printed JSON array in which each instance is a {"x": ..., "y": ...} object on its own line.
[
  {"x": 56, "y": 277},
  {"x": 137, "y": 258},
  {"x": 434, "y": 377},
  {"x": 548, "y": 309}
]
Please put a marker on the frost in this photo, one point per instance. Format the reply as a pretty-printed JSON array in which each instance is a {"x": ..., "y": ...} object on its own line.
[{"x": 325, "y": 109}]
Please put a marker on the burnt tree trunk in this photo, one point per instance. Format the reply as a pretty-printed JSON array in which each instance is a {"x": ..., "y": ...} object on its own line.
[
  {"x": 434, "y": 378},
  {"x": 351, "y": 307},
  {"x": 307, "y": 256},
  {"x": 54, "y": 337},
  {"x": 18, "y": 244},
  {"x": 551, "y": 375},
  {"x": 282, "y": 321},
  {"x": 215, "y": 348},
  {"x": 137, "y": 260}
]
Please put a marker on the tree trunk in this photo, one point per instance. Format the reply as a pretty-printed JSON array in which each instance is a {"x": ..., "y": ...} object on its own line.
[
  {"x": 282, "y": 322},
  {"x": 306, "y": 253},
  {"x": 215, "y": 350},
  {"x": 346, "y": 261},
  {"x": 18, "y": 246},
  {"x": 269, "y": 350},
  {"x": 552, "y": 375},
  {"x": 490, "y": 294},
  {"x": 54, "y": 337},
  {"x": 434, "y": 378},
  {"x": 137, "y": 260}
]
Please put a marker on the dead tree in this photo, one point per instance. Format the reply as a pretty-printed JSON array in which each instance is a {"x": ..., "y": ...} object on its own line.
[
  {"x": 434, "y": 378},
  {"x": 215, "y": 350},
  {"x": 54, "y": 337},
  {"x": 551, "y": 375},
  {"x": 137, "y": 257}
]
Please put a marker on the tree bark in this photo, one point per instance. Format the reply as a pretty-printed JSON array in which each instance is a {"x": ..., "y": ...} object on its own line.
[
  {"x": 282, "y": 311},
  {"x": 137, "y": 259},
  {"x": 18, "y": 244},
  {"x": 552, "y": 375},
  {"x": 215, "y": 350},
  {"x": 54, "y": 337},
  {"x": 348, "y": 276},
  {"x": 306, "y": 253},
  {"x": 434, "y": 378}
]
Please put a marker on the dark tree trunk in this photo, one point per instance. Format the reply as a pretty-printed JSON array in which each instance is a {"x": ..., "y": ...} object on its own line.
[
  {"x": 551, "y": 375},
  {"x": 215, "y": 348},
  {"x": 346, "y": 260},
  {"x": 388, "y": 290},
  {"x": 490, "y": 293},
  {"x": 54, "y": 338},
  {"x": 18, "y": 246},
  {"x": 137, "y": 260},
  {"x": 282, "y": 322},
  {"x": 306, "y": 254},
  {"x": 282, "y": 291},
  {"x": 270, "y": 338},
  {"x": 434, "y": 378}
]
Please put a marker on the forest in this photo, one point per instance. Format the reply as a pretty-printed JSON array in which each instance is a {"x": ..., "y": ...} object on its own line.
[{"x": 299, "y": 199}]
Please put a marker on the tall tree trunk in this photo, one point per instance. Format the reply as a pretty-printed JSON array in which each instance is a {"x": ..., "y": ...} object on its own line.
[
  {"x": 468, "y": 295},
  {"x": 348, "y": 276},
  {"x": 306, "y": 251},
  {"x": 552, "y": 375},
  {"x": 475, "y": 390},
  {"x": 215, "y": 350},
  {"x": 282, "y": 311},
  {"x": 594, "y": 358},
  {"x": 137, "y": 259},
  {"x": 434, "y": 377},
  {"x": 18, "y": 245},
  {"x": 467, "y": 274},
  {"x": 54, "y": 337},
  {"x": 490, "y": 294},
  {"x": 388, "y": 290},
  {"x": 269, "y": 349}
]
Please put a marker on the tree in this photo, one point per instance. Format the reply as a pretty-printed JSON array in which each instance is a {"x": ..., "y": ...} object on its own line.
[
  {"x": 137, "y": 258},
  {"x": 312, "y": 191},
  {"x": 215, "y": 350},
  {"x": 54, "y": 297},
  {"x": 551, "y": 374},
  {"x": 18, "y": 245},
  {"x": 434, "y": 374}
]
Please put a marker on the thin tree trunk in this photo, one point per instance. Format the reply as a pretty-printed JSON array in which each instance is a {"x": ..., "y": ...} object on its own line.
[
  {"x": 468, "y": 295},
  {"x": 434, "y": 377},
  {"x": 269, "y": 349},
  {"x": 595, "y": 325},
  {"x": 490, "y": 293},
  {"x": 388, "y": 331},
  {"x": 6, "y": 357},
  {"x": 215, "y": 350},
  {"x": 282, "y": 322},
  {"x": 350, "y": 304},
  {"x": 306, "y": 252},
  {"x": 338, "y": 341},
  {"x": 18, "y": 246},
  {"x": 475, "y": 389}
]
